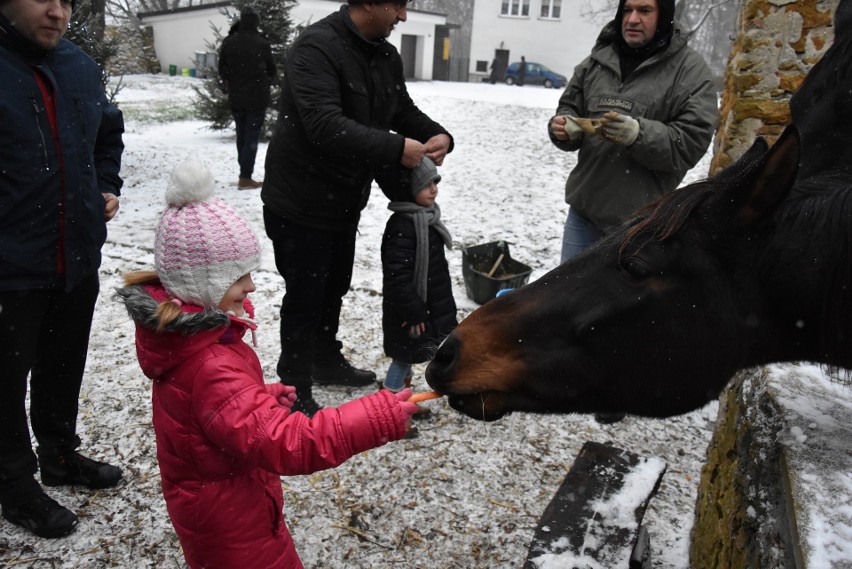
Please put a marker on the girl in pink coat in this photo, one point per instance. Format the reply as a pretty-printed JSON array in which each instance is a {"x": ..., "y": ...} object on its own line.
[{"x": 224, "y": 436}]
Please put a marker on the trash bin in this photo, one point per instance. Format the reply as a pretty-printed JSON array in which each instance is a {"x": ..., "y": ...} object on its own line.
[
  {"x": 184, "y": 71},
  {"x": 489, "y": 268},
  {"x": 172, "y": 70}
]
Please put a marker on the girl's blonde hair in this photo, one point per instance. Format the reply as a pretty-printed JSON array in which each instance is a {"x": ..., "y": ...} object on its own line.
[{"x": 168, "y": 310}]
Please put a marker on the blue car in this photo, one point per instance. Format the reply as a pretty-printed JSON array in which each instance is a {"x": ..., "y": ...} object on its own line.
[{"x": 537, "y": 74}]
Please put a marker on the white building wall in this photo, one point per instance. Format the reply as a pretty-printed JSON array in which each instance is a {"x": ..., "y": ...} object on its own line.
[
  {"x": 179, "y": 35},
  {"x": 420, "y": 24},
  {"x": 560, "y": 44}
]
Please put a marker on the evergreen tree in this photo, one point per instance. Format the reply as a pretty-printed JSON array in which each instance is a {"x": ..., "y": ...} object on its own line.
[
  {"x": 276, "y": 25},
  {"x": 86, "y": 29}
]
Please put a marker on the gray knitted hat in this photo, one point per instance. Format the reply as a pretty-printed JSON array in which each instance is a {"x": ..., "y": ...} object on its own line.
[{"x": 423, "y": 174}]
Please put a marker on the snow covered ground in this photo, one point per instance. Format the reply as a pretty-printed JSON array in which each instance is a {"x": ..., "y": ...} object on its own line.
[{"x": 464, "y": 494}]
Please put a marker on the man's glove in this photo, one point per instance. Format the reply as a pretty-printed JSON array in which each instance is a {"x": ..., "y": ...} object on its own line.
[
  {"x": 620, "y": 129},
  {"x": 572, "y": 129}
]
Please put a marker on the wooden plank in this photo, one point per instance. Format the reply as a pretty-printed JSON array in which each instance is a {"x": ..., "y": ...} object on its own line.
[{"x": 594, "y": 520}]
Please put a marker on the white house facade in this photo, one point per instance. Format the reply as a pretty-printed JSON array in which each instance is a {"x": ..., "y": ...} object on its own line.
[
  {"x": 549, "y": 32},
  {"x": 182, "y": 37}
]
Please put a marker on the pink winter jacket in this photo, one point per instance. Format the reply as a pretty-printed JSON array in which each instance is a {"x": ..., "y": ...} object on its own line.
[{"x": 223, "y": 441}]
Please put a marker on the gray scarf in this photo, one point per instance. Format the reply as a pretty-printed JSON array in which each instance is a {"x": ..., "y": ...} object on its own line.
[{"x": 423, "y": 217}]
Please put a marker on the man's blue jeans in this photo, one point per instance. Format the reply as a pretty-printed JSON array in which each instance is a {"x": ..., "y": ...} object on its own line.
[
  {"x": 397, "y": 372},
  {"x": 579, "y": 233}
]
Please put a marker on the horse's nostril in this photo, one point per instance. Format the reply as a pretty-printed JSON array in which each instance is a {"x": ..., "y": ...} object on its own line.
[{"x": 440, "y": 369}]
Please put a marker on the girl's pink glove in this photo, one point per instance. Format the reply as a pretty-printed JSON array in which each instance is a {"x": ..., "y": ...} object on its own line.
[
  {"x": 284, "y": 394},
  {"x": 408, "y": 409}
]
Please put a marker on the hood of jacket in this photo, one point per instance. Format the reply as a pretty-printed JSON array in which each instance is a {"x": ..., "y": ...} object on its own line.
[
  {"x": 192, "y": 331},
  {"x": 608, "y": 40}
]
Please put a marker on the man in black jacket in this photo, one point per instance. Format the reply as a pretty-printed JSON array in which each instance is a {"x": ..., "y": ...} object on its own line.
[
  {"x": 60, "y": 155},
  {"x": 344, "y": 92},
  {"x": 247, "y": 70}
]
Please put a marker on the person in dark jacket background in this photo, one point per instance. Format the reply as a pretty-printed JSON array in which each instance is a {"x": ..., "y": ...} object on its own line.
[
  {"x": 522, "y": 72},
  {"x": 345, "y": 117},
  {"x": 418, "y": 308},
  {"x": 496, "y": 71},
  {"x": 247, "y": 71},
  {"x": 60, "y": 155}
]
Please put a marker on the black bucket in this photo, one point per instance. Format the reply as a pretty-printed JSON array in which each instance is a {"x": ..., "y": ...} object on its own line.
[{"x": 488, "y": 269}]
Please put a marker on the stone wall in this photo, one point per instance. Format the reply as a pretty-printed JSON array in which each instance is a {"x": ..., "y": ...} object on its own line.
[
  {"x": 776, "y": 44},
  {"x": 135, "y": 51},
  {"x": 731, "y": 528},
  {"x": 776, "y": 490}
]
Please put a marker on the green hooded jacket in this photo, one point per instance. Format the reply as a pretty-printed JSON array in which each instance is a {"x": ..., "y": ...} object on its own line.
[{"x": 673, "y": 97}]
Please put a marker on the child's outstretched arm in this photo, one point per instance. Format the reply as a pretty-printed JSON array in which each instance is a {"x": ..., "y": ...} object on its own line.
[
  {"x": 253, "y": 422},
  {"x": 334, "y": 435}
]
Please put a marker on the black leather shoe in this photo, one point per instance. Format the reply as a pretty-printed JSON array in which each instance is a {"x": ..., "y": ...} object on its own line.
[
  {"x": 341, "y": 373},
  {"x": 43, "y": 516},
  {"x": 306, "y": 405},
  {"x": 74, "y": 468}
]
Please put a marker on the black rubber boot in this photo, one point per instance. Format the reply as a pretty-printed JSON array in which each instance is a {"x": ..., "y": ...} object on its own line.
[
  {"x": 305, "y": 402},
  {"x": 336, "y": 370},
  {"x": 42, "y": 515}
]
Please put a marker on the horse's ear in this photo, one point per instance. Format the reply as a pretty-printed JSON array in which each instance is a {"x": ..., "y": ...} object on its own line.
[{"x": 770, "y": 182}]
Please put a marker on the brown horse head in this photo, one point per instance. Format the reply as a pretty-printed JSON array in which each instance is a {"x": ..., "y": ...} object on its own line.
[{"x": 654, "y": 319}]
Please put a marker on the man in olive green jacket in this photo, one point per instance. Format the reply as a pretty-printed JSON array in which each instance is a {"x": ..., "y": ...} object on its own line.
[{"x": 654, "y": 111}]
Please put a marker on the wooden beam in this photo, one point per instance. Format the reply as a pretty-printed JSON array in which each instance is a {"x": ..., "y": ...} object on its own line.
[{"x": 595, "y": 518}]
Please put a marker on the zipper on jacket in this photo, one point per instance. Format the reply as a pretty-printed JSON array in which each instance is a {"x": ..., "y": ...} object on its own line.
[
  {"x": 40, "y": 132},
  {"x": 78, "y": 105}
]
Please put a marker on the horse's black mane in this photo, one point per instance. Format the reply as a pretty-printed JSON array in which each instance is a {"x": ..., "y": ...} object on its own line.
[
  {"x": 664, "y": 218},
  {"x": 823, "y": 202}
]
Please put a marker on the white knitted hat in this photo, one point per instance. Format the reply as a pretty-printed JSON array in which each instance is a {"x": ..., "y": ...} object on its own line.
[{"x": 202, "y": 246}]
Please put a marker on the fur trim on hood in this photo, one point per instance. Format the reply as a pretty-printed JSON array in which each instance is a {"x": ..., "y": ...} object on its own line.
[{"x": 142, "y": 308}]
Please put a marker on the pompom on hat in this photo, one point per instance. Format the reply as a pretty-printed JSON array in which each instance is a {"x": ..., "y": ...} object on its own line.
[{"x": 202, "y": 245}]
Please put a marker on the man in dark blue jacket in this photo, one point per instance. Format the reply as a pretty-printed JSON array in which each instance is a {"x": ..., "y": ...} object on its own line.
[
  {"x": 345, "y": 117},
  {"x": 60, "y": 153}
]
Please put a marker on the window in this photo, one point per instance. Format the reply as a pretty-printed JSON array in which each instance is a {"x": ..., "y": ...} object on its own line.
[
  {"x": 551, "y": 8},
  {"x": 481, "y": 66},
  {"x": 515, "y": 8}
]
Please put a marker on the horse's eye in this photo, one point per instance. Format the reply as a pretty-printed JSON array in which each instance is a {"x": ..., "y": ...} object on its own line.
[{"x": 636, "y": 268}]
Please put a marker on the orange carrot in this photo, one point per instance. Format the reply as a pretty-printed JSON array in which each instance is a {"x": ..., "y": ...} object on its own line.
[{"x": 425, "y": 396}]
